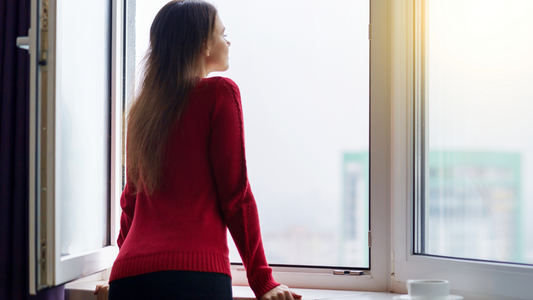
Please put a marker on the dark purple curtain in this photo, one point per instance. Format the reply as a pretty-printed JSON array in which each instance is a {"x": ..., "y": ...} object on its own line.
[{"x": 14, "y": 106}]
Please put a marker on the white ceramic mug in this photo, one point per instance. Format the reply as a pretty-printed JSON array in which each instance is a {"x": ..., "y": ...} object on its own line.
[{"x": 428, "y": 289}]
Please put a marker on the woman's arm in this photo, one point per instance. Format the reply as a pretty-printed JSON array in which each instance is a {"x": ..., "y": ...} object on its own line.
[{"x": 236, "y": 198}]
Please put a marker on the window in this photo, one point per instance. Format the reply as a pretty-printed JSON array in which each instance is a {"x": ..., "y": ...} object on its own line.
[
  {"x": 313, "y": 157},
  {"x": 74, "y": 139},
  {"x": 304, "y": 86},
  {"x": 353, "y": 163},
  {"x": 382, "y": 62},
  {"x": 437, "y": 163},
  {"x": 458, "y": 190}
]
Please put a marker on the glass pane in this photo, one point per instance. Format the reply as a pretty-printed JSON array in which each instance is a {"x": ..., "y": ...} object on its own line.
[
  {"x": 480, "y": 70},
  {"x": 303, "y": 71},
  {"x": 82, "y": 124}
]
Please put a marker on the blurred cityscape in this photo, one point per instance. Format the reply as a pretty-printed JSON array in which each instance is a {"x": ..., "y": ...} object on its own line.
[
  {"x": 474, "y": 205},
  {"x": 473, "y": 211},
  {"x": 348, "y": 246},
  {"x": 304, "y": 243},
  {"x": 353, "y": 250}
]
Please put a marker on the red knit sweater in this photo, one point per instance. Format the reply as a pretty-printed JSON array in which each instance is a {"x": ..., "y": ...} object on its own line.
[{"x": 182, "y": 226}]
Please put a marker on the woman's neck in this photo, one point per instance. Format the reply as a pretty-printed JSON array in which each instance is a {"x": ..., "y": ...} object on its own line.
[{"x": 202, "y": 69}]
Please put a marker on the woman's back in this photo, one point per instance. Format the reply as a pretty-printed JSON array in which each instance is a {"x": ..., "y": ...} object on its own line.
[{"x": 182, "y": 226}]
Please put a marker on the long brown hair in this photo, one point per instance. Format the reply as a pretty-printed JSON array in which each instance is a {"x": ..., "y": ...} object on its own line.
[{"x": 178, "y": 36}]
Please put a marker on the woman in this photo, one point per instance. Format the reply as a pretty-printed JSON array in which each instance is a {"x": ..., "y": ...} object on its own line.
[{"x": 186, "y": 171}]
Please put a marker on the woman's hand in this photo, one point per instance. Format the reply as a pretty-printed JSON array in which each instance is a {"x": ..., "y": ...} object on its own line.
[
  {"x": 102, "y": 290},
  {"x": 281, "y": 292}
]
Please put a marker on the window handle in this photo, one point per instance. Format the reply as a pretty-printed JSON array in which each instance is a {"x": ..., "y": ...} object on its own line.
[{"x": 23, "y": 42}]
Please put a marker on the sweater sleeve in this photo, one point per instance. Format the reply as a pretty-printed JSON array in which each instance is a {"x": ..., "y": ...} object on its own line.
[
  {"x": 127, "y": 202},
  {"x": 235, "y": 196}
]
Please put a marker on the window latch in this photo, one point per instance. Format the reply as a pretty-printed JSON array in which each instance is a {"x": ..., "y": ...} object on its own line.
[{"x": 348, "y": 272}]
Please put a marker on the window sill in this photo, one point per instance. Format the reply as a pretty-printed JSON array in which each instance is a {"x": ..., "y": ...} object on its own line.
[{"x": 83, "y": 290}]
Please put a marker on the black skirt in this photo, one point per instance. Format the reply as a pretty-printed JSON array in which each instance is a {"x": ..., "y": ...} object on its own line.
[{"x": 172, "y": 285}]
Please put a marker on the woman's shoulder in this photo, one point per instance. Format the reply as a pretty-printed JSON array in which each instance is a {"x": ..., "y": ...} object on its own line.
[
  {"x": 218, "y": 81},
  {"x": 221, "y": 87}
]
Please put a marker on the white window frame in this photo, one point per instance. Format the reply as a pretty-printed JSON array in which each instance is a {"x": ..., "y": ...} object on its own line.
[
  {"x": 472, "y": 279},
  {"x": 47, "y": 267}
]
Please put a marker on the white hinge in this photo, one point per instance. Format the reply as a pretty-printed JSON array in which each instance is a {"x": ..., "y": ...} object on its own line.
[
  {"x": 348, "y": 272},
  {"x": 369, "y": 239}
]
